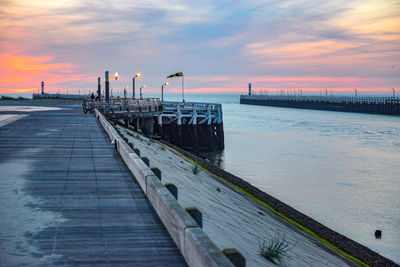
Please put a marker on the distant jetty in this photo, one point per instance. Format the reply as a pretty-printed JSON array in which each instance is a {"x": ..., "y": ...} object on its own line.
[
  {"x": 59, "y": 96},
  {"x": 371, "y": 105}
]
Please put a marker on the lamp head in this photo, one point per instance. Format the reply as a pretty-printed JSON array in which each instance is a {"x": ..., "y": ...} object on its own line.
[{"x": 138, "y": 75}]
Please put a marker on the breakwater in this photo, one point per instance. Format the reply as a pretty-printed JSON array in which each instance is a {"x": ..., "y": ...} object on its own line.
[
  {"x": 372, "y": 105},
  {"x": 59, "y": 96}
]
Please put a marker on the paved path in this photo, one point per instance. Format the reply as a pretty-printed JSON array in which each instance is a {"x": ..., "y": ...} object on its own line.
[{"x": 67, "y": 198}]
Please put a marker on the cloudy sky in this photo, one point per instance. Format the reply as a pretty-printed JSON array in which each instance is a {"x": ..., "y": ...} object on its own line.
[{"x": 220, "y": 46}]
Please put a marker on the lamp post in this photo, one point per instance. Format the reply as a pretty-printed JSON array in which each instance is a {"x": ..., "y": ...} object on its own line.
[
  {"x": 107, "y": 86},
  {"x": 162, "y": 91},
  {"x": 143, "y": 86},
  {"x": 394, "y": 92},
  {"x": 99, "y": 88},
  {"x": 355, "y": 91},
  {"x": 133, "y": 84}
]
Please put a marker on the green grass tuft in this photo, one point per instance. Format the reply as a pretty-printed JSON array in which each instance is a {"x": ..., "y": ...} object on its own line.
[
  {"x": 276, "y": 249},
  {"x": 195, "y": 169}
]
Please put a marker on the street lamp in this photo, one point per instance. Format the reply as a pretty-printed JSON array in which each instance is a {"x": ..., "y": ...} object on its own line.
[
  {"x": 162, "y": 91},
  {"x": 143, "y": 86},
  {"x": 116, "y": 75},
  {"x": 133, "y": 84},
  {"x": 394, "y": 92},
  {"x": 355, "y": 91}
]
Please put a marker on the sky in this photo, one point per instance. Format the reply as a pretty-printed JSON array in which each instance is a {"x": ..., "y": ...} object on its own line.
[{"x": 220, "y": 46}]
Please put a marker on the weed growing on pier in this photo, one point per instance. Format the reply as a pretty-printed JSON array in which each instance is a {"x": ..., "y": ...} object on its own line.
[
  {"x": 218, "y": 189},
  {"x": 195, "y": 169},
  {"x": 138, "y": 137},
  {"x": 129, "y": 134},
  {"x": 276, "y": 249}
]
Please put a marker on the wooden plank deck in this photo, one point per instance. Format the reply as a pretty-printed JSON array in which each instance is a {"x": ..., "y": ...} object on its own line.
[{"x": 67, "y": 198}]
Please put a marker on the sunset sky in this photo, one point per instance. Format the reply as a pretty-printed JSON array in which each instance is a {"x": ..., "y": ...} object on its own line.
[{"x": 220, "y": 46}]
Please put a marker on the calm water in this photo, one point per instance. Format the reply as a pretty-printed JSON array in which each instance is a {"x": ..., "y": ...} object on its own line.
[{"x": 342, "y": 169}]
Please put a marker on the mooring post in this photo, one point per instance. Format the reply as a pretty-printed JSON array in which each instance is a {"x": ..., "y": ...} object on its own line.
[{"x": 235, "y": 257}]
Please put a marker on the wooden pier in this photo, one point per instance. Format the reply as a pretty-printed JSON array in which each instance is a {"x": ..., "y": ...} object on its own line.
[
  {"x": 372, "y": 105},
  {"x": 192, "y": 126},
  {"x": 67, "y": 198}
]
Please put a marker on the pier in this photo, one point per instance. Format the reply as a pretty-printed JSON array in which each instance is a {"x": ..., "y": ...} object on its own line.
[
  {"x": 79, "y": 188},
  {"x": 371, "y": 105},
  {"x": 67, "y": 197},
  {"x": 192, "y": 126}
]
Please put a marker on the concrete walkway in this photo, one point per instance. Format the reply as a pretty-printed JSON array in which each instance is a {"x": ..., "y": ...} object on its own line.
[{"x": 67, "y": 198}]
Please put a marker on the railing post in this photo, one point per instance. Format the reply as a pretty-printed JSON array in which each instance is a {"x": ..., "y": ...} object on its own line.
[
  {"x": 196, "y": 215},
  {"x": 235, "y": 257},
  {"x": 173, "y": 190}
]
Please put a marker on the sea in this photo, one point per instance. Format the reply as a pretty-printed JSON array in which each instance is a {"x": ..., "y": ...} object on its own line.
[{"x": 342, "y": 169}]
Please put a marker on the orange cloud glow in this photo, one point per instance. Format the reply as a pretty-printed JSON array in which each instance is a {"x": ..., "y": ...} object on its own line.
[
  {"x": 23, "y": 73},
  {"x": 209, "y": 90}
]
